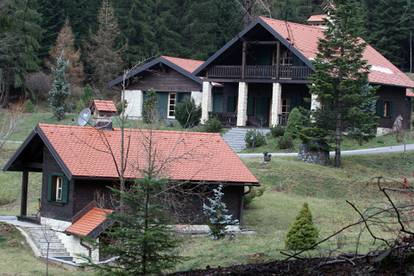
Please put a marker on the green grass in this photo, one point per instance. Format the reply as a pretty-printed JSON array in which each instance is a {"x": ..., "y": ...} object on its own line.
[
  {"x": 16, "y": 257},
  {"x": 347, "y": 144}
]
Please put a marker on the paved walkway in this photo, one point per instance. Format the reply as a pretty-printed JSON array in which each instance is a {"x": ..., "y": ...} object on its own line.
[{"x": 381, "y": 150}]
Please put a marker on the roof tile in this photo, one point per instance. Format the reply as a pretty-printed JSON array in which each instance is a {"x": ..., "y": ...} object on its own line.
[
  {"x": 106, "y": 106},
  {"x": 190, "y": 65}
]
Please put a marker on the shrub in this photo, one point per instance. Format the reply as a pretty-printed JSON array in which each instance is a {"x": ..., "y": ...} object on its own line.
[
  {"x": 29, "y": 107},
  {"x": 277, "y": 131},
  {"x": 254, "y": 139},
  {"x": 121, "y": 106},
  {"x": 149, "y": 112},
  {"x": 303, "y": 233},
  {"x": 187, "y": 113},
  {"x": 285, "y": 142},
  {"x": 254, "y": 193},
  {"x": 212, "y": 125},
  {"x": 295, "y": 123}
]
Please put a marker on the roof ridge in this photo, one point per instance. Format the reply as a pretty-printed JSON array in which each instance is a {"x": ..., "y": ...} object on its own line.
[{"x": 291, "y": 22}]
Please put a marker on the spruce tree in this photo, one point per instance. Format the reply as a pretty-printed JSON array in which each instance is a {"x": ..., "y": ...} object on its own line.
[
  {"x": 141, "y": 237},
  {"x": 218, "y": 214},
  {"x": 60, "y": 88},
  {"x": 340, "y": 80},
  {"x": 303, "y": 233},
  {"x": 65, "y": 43},
  {"x": 104, "y": 59}
]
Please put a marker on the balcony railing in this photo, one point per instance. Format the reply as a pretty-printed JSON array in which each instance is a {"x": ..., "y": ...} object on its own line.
[{"x": 260, "y": 72}]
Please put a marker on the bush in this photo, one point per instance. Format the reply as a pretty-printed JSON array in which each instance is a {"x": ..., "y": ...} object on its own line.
[
  {"x": 254, "y": 193},
  {"x": 254, "y": 139},
  {"x": 303, "y": 233},
  {"x": 29, "y": 107},
  {"x": 121, "y": 106},
  {"x": 277, "y": 131},
  {"x": 187, "y": 113},
  {"x": 149, "y": 112},
  {"x": 295, "y": 123},
  {"x": 212, "y": 125},
  {"x": 285, "y": 142}
]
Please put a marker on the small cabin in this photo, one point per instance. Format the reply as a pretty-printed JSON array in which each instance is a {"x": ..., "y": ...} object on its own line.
[{"x": 103, "y": 109}]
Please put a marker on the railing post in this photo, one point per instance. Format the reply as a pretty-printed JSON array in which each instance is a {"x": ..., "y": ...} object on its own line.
[
  {"x": 243, "y": 73},
  {"x": 277, "y": 60}
]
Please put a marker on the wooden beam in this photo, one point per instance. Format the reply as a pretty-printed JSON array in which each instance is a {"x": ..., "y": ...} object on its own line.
[
  {"x": 263, "y": 42},
  {"x": 23, "y": 204},
  {"x": 244, "y": 59},
  {"x": 277, "y": 60}
]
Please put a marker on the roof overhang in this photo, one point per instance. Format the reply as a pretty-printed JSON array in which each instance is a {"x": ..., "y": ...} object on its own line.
[
  {"x": 151, "y": 63},
  {"x": 261, "y": 22}
]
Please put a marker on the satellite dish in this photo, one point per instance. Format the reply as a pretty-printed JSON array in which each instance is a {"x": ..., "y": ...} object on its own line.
[{"x": 84, "y": 117}]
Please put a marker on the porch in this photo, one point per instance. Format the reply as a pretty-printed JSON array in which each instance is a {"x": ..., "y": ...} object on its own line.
[{"x": 253, "y": 104}]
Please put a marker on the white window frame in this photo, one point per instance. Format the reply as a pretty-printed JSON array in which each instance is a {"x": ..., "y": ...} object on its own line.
[
  {"x": 171, "y": 105},
  {"x": 286, "y": 106},
  {"x": 59, "y": 188}
]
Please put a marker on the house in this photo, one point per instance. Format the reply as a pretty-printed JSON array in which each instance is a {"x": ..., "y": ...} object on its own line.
[
  {"x": 172, "y": 78},
  {"x": 78, "y": 168},
  {"x": 260, "y": 75},
  {"x": 103, "y": 108}
]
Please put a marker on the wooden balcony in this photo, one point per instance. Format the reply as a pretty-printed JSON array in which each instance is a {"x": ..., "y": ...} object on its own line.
[{"x": 289, "y": 72}]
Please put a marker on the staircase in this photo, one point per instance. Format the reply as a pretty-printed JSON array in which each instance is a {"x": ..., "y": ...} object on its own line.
[
  {"x": 235, "y": 137},
  {"x": 41, "y": 235}
]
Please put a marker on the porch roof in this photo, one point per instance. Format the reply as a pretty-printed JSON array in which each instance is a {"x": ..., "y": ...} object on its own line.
[{"x": 90, "y": 222}]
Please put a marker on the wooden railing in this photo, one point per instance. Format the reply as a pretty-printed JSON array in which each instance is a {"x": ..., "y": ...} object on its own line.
[
  {"x": 227, "y": 119},
  {"x": 260, "y": 72}
]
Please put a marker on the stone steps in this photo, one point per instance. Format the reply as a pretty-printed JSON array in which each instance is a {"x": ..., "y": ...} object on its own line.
[
  {"x": 235, "y": 137},
  {"x": 41, "y": 236}
]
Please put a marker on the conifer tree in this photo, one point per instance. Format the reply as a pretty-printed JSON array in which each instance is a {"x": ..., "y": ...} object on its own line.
[
  {"x": 105, "y": 61},
  {"x": 66, "y": 42},
  {"x": 218, "y": 214},
  {"x": 60, "y": 88},
  {"x": 303, "y": 233},
  {"x": 340, "y": 80}
]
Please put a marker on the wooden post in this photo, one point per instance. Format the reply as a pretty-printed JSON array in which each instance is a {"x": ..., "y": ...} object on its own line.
[
  {"x": 25, "y": 182},
  {"x": 244, "y": 59},
  {"x": 278, "y": 60}
]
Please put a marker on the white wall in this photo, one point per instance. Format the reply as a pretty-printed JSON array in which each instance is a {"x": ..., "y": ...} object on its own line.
[{"x": 135, "y": 100}]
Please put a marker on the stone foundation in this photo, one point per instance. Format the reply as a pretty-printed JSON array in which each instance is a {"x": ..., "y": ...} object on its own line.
[{"x": 308, "y": 155}]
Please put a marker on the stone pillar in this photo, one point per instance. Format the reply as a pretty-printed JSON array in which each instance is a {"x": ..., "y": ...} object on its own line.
[
  {"x": 242, "y": 104},
  {"x": 197, "y": 96},
  {"x": 276, "y": 104},
  {"x": 206, "y": 101},
  {"x": 135, "y": 101},
  {"x": 315, "y": 104}
]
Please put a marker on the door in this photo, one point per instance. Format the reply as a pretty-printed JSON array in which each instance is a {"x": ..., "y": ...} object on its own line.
[{"x": 262, "y": 110}]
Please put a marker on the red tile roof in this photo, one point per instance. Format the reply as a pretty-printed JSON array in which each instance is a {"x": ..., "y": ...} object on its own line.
[
  {"x": 317, "y": 18},
  {"x": 190, "y": 65},
  {"x": 305, "y": 39},
  {"x": 88, "y": 222},
  {"x": 410, "y": 93},
  {"x": 106, "y": 106},
  {"x": 192, "y": 156}
]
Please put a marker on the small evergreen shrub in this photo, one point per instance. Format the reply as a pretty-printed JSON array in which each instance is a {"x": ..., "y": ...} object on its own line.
[
  {"x": 303, "y": 233},
  {"x": 295, "y": 123},
  {"x": 212, "y": 125},
  {"x": 285, "y": 142},
  {"x": 218, "y": 214},
  {"x": 29, "y": 107},
  {"x": 277, "y": 131},
  {"x": 253, "y": 194},
  {"x": 254, "y": 139},
  {"x": 187, "y": 113},
  {"x": 60, "y": 88},
  {"x": 149, "y": 112}
]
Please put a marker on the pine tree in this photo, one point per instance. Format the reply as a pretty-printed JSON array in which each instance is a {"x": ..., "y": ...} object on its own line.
[
  {"x": 66, "y": 42},
  {"x": 105, "y": 61},
  {"x": 20, "y": 34},
  {"x": 303, "y": 233},
  {"x": 340, "y": 80},
  {"x": 143, "y": 241},
  {"x": 60, "y": 88},
  {"x": 149, "y": 112},
  {"x": 218, "y": 214}
]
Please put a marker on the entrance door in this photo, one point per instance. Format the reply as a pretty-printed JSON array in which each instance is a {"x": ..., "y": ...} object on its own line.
[{"x": 262, "y": 110}]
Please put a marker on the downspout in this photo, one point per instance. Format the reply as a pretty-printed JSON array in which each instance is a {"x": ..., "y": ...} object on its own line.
[{"x": 87, "y": 248}]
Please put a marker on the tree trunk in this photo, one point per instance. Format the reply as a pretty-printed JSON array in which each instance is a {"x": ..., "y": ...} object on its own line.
[{"x": 338, "y": 140}]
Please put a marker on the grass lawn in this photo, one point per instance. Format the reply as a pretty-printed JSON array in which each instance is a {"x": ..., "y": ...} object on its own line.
[
  {"x": 347, "y": 144},
  {"x": 16, "y": 257}
]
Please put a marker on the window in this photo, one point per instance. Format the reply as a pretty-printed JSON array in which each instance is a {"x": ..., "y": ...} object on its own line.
[
  {"x": 286, "y": 58},
  {"x": 384, "y": 109},
  {"x": 285, "y": 106},
  {"x": 172, "y": 100},
  {"x": 57, "y": 189},
  {"x": 387, "y": 109}
]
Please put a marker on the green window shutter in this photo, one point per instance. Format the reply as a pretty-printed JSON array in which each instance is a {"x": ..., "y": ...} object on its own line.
[
  {"x": 65, "y": 190},
  {"x": 380, "y": 108},
  {"x": 250, "y": 106},
  {"x": 231, "y": 104},
  {"x": 49, "y": 188},
  {"x": 162, "y": 104},
  {"x": 218, "y": 102}
]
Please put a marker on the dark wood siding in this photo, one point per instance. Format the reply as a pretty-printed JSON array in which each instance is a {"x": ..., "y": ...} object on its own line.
[
  {"x": 400, "y": 104},
  {"x": 54, "y": 210},
  {"x": 87, "y": 191},
  {"x": 164, "y": 79}
]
